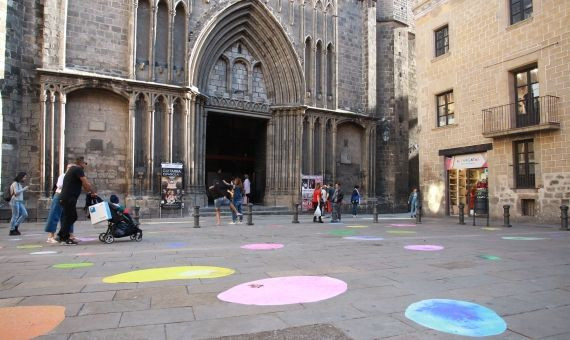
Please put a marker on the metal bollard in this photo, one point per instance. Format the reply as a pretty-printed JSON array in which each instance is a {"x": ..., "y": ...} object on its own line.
[
  {"x": 250, "y": 214},
  {"x": 461, "y": 213},
  {"x": 375, "y": 213},
  {"x": 296, "y": 213},
  {"x": 419, "y": 215},
  {"x": 474, "y": 210},
  {"x": 563, "y": 217},
  {"x": 137, "y": 215},
  {"x": 506, "y": 215},
  {"x": 196, "y": 216}
]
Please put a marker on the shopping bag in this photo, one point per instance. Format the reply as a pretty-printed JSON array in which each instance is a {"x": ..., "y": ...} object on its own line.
[
  {"x": 99, "y": 212},
  {"x": 318, "y": 211}
]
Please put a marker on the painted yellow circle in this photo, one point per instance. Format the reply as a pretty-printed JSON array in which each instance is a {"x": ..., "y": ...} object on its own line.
[
  {"x": 29, "y": 246},
  {"x": 169, "y": 273},
  {"x": 357, "y": 226},
  {"x": 490, "y": 229},
  {"x": 402, "y": 232}
]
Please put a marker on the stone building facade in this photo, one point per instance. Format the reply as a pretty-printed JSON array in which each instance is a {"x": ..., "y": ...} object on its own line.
[
  {"x": 494, "y": 105},
  {"x": 273, "y": 88}
]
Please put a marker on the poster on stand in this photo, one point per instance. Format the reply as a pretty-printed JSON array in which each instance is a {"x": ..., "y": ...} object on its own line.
[
  {"x": 171, "y": 187},
  {"x": 308, "y": 184}
]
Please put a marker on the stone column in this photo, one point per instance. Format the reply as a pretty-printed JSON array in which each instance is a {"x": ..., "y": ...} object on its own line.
[
  {"x": 323, "y": 146},
  {"x": 131, "y": 180},
  {"x": 62, "y": 34},
  {"x": 62, "y": 102},
  {"x": 270, "y": 161},
  {"x": 43, "y": 129},
  {"x": 188, "y": 135},
  {"x": 152, "y": 40},
  {"x": 310, "y": 147},
  {"x": 333, "y": 155},
  {"x": 170, "y": 126},
  {"x": 169, "y": 45},
  {"x": 52, "y": 140},
  {"x": 197, "y": 152},
  {"x": 132, "y": 37},
  {"x": 150, "y": 146}
]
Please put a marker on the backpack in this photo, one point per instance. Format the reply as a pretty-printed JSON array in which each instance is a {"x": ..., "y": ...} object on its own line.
[{"x": 7, "y": 194}]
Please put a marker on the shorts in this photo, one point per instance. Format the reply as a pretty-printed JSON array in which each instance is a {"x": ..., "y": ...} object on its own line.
[{"x": 218, "y": 202}]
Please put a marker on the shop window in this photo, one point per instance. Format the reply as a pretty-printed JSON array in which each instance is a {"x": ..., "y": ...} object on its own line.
[
  {"x": 442, "y": 41},
  {"x": 520, "y": 10},
  {"x": 527, "y": 92},
  {"x": 445, "y": 109},
  {"x": 528, "y": 207},
  {"x": 524, "y": 164}
]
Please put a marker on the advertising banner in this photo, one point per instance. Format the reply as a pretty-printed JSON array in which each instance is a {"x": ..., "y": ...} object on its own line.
[
  {"x": 308, "y": 184},
  {"x": 171, "y": 185}
]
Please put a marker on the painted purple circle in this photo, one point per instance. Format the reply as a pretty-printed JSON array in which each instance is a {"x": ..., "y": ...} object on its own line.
[
  {"x": 364, "y": 238},
  {"x": 284, "y": 290},
  {"x": 86, "y": 239},
  {"x": 424, "y": 247},
  {"x": 403, "y": 225},
  {"x": 262, "y": 246}
]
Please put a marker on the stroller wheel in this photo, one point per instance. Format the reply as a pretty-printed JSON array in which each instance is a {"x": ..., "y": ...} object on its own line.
[
  {"x": 133, "y": 236},
  {"x": 109, "y": 239},
  {"x": 138, "y": 236},
  {"x": 102, "y": 237}
]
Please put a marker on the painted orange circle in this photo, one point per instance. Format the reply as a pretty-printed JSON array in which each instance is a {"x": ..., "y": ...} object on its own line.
[{"x": 27, "y": 322}]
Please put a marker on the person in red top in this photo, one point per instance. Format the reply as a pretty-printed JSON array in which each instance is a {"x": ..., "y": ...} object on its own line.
[{"x": 316, "y": 202}]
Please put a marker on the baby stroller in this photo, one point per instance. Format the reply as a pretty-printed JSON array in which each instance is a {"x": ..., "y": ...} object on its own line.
[{"x": 120, "y": 225}]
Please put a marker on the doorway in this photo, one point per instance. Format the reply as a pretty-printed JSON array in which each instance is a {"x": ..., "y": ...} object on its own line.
[{"x": 237, "y": 145}]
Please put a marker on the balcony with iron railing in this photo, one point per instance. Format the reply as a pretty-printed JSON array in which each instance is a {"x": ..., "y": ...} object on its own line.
[{"x": 534, "y": 114}]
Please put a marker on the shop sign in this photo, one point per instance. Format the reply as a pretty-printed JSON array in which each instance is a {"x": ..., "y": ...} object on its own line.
[{"x": 470, "y": 161}]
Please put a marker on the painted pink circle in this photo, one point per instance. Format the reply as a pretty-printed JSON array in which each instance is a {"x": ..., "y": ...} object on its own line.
[
  {"x": 284, "y": 290},
  {"x": 424, "y": 247},
  {"x": 403, "y": 225},
  {"x": 262, "y": 246}
]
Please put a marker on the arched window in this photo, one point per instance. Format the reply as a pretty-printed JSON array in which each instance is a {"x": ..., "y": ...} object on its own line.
[
  {"x": 308, "y": 65},
  {"x": 160, "y": 141},
  {"x": 330, "y": 71},
  {"x": 319, "y": 68},
  {"x": 161, "y": 43},
  {"x": 178, "y": 132},
  {"x": 179, "y": 44},
  {"x": 142, "y": 43}
]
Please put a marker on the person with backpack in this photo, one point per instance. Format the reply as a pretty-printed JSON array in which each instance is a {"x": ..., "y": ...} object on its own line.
[
  {"x": 19, "y": 213},
  {"x": 355, "y": 200}
]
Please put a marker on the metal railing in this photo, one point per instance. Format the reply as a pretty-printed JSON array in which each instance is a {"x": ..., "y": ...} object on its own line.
[{"x": 524, "y": 113}]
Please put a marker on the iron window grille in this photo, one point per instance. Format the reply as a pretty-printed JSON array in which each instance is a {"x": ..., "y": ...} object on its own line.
[{"x": 524, "y": 164}]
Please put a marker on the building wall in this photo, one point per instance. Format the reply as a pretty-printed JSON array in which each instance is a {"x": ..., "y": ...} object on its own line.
[{"x": 484, "y": 50}]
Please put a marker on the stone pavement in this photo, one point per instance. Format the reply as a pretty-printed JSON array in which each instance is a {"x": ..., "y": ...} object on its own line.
[{"x": 529, "y": 287}]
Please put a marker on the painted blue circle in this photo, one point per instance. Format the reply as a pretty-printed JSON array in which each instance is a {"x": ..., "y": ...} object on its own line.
[
  {"x": 456, "y": 317},
  {"x": 177, "y": 245}
]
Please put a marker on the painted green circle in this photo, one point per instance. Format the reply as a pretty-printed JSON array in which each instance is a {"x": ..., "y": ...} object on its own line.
[
  {"x": 342, "y": 232},
  {"x": 401, "y": 232},
  {"x": 72, "y": 265},
  {"x": 29, "y": 246},
  {"x": 522, "y": 238},
  {"x": 490, "y": 257}
]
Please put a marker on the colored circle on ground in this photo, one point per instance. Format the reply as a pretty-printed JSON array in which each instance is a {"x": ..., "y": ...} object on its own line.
[
  {"x": 424, "y": 247},
  {"x": 72, "y": 265},
  {"x": 29, "y": 246},
  {"x": 27, "y": 322},
  {"x": 403, "y": 225},
  {"x": 177, "y": 245},
  {"x": 522, "y": 238},
  {"x": 364, "y": 238},
  {"x": 401, "y": 232},
  {"x": 357, "y": 226},
  {"x": 489, "y": 257},
  {"x": 169, "y": 273},
  {"x": 490, "y": 228},
  {"x": 284, "y": 290},
  {"x": 86, "y": 239},
  {"x": 15, "y": 239},
  {"x": 456, "y": 317},
  {"x": 44, "y": 252},
  {"x": 262, "y": 246},
  {"x": 342, "y": 232}
]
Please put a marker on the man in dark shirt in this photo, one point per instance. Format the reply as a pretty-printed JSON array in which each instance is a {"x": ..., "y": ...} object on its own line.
[
  {"x": 338, "y": 195},
  {"x": 73, "y": 181}
]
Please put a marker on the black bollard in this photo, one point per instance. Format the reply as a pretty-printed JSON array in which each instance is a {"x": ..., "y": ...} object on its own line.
[
  {"x": 375, "y": 213},
  {"x": 563, "y": 217},
  {"x": 250, "y": 214},
  {"x": 474, "y": 216},
  {"x": 296, "y": 213},
  {"x": 461, "y": 213},
  {"x": 419, "y": 215},
  {"x": 137, "y": 215},
  {"x": 196, "y": 216},
  {"x": 506, "y": 215}
]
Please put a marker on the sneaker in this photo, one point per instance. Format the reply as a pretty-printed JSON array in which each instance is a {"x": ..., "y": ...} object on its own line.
[
  {"x": 239, "y": 214},
  {"x": 232, "y": 223},
  {"x": 14, "y": 233},
  {"x": 240, "y": 222},
  {"x": 69, "y": 242},
  {"x": 51, "y": 240}
]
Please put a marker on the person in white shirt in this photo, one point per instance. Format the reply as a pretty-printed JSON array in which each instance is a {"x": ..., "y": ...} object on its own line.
[
  {"x": 55, "y": 210},
  {"x": 247, "y": 189}
]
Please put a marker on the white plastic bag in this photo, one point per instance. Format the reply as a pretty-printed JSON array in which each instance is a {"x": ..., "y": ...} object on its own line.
[{"x": 318, "y": 211}]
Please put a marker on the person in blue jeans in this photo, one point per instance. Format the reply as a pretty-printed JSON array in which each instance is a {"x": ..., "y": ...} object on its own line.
[
  {"x": 237, "y": 201},
  {"x": 19, "y": 212},
  {"x": 355, "y": 200},
  {"x": 55, "y": 211}
]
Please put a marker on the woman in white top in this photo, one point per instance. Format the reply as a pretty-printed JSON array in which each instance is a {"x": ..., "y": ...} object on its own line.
[
  {"x": 55, "y": 211},
  {"x": 19, "y": 213}
]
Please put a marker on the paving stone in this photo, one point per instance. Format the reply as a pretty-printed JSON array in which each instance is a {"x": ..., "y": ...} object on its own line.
[
  {"x": 540, "y": 323},
  {"x": 315, "y": 313},
  {"x": 373, "y": 327},
  {"x": 224, "y": 310},
  {"x": 115, "y": 306},
  {"x": 157, "y": 316},
  {"x": 183, "y": 301},
  {"x": 10, "y": 302},
  {"x": 88, "y": 323},
  {"x": 304, "y": 332},
  {"x": 154, "y": 332},
  {"x": 68, "y": 298}
]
